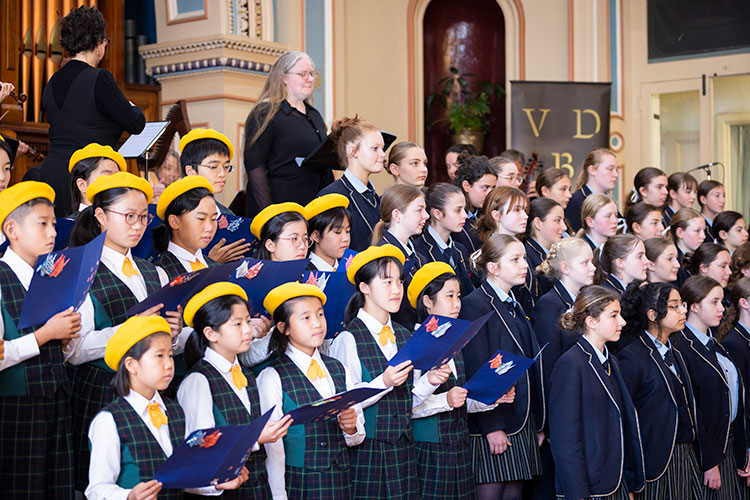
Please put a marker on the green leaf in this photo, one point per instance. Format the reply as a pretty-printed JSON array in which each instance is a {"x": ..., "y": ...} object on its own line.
[{"x": 454, "y": 70}]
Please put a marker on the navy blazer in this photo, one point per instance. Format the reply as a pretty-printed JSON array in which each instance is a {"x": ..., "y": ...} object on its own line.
[
  {"x": 468, "y": 236},
  {"x": 405, "y": 316},
  {"x": 573, "y": 210},
  {"x": 613, "y": 284},
  {"x": 666, "y": 216},
  {"x": 713, "y": 402},
  {"x": 364, "y": 215},
  {"x": 648, "y": 379},
  {"x": 426, "y": 245},
  {"x": 535, "y": 255},
  {"x": 682, "y": 274},
  {"x": 594, "y": 434},
  {"x": 710, "y": 236},
  {"x": 737, "y": 345},
  {"x": 501, "y": 332},
  {"x": 546, "y": 322}
]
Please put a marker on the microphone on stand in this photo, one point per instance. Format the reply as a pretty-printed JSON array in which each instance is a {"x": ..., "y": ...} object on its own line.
[{"x": 707, "y": 168}]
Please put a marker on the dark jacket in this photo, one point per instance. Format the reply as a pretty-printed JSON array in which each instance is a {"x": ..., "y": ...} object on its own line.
[
  {"x": 405, "y": 316},
  {"x": 364, "y": 215},
  {"x": 737, "y": 345},
  {"x": 594, "y": 433},
  {"x": 426, "y": 245},
  {"x": 535, "y": 255}
]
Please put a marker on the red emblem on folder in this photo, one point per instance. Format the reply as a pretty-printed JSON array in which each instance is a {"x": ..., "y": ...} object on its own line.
[
  {"x": 496, "y": 362},
  {"x": 53, "y": 265},
  {"x": 222, "y": 223},
  {"x": 431, "y": 325}
]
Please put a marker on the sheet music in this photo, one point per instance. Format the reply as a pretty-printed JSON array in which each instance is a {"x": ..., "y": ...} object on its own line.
[{"x": 136, "y": 145}]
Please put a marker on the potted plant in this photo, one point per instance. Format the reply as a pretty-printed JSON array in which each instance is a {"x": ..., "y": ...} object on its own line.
[{"x": 467, "y": 109}]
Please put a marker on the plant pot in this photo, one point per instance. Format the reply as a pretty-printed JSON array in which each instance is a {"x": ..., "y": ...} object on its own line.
[{"x": 469, "y": 136}]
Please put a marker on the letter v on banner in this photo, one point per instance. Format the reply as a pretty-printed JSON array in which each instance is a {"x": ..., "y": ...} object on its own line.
[{"x": 561, "y": 121}]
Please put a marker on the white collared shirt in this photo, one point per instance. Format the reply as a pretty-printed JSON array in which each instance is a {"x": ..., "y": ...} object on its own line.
[
  {"x": 358, "y": 185},
  {"x": 601, "y": 356},
  {"x": 320, "y": 264},
  {"x": 114, "y": 261},
  {"x": 269, "y": 387},
  {"x": 185, "y": 257},
  {"x": 442, "y": 245},
  {"x": 82, "y": 207},
  {"x": 407, "y": 245},
  {"x": 25, "y": 347},
  {"x": 501, "y": 294},
  {"x": 344, "y": 349},
  {"x": 104, "y": 467}
]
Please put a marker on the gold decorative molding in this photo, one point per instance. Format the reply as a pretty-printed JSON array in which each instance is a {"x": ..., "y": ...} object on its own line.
[{"x": 231, "y": 42}]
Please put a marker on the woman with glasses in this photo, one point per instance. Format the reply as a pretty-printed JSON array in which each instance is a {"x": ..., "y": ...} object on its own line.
[
  {"x": 507, "y": 172},
  {"x": 82, "y": 103},
  {"x": 282, "y": 231},
  {"x": 119, "y": 206},
  {"x": 282, "y": 127},
  {"x": 657, "y": 378}
]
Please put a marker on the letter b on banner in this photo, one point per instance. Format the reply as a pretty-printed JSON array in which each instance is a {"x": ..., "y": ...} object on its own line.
[{"x": 561, "y": 121}]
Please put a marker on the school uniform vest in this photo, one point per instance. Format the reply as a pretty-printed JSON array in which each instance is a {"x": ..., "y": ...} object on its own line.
[
  {"x": 112, "y": 298},
  {"x": 449, "y": 427},
  {"x": 229, "y": 410},
  {"x": 172, "y": 265},
  {"x": 140, "y": 453},
  {"x": 389, "y": 418},
  {"x": 38, "y": 376},
  {"x": 314, "y": 446}
]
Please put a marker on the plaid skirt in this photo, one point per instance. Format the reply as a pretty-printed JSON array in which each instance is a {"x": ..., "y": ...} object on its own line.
[
  {"x": 385, "y": 470},
  {"x": 258, "y": 491},
  {"x": 682, "y": 479},
  {"x": 334, "y": 483},
  {"x": 520, "y": 461},
  {"x": 36, "y": 458},
  {"x": 92, "y": 391},
  {"x": 731, "y": 486},
  {"x": 444, "y": 471}
]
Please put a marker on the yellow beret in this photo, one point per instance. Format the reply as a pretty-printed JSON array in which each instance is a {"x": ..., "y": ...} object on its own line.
[
  {"x": 209, "y": 293},
  {"x": 272, "y": 211},
  {"x": 325, "y": 202},
  {"x": 18, "y": 194},
  {"x": 120, "y": 179},
  {"x": 371, "y": 254},
  {"x": 129, "y": 334},
  {"x": 423, "y": 277},
  {"x": 291, "y": 290},
  {"x": 95, "y": 150},
  {"x": 2, "y": 138},
  {"x": 178, "y": 188},
  {"x": 206, "y": 133}
]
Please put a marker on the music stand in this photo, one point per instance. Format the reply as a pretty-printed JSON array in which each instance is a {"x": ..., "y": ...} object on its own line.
[{"x": 138, "y": 146}]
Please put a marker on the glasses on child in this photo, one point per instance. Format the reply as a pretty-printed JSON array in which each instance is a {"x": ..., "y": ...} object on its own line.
[
  {"x": 131, "y": 217},
  {"x": 297, "y": 240},
  {"x": 679, "y": 307},
  {"x": 215, "y": 168}
]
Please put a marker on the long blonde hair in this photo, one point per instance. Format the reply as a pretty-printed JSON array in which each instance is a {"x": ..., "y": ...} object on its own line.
[
  {"x": 274, "y": 92},
  {"x": 593, "y": 158}
]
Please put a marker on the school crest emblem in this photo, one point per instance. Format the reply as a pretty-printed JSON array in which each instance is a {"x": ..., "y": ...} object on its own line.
[{"x": 501, "y": 368}]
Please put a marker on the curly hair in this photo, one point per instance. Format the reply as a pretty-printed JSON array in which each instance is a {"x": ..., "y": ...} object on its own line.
[
  {"x": 591, "y": 301},
  {"x": 639, "y": 298},
  {"x": 740, "y": 261},
  {"x": 82, "y": 30}
]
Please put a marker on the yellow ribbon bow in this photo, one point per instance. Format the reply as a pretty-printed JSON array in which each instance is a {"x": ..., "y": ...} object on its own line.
[
  {"x": 386, "y": 334},
  {"x": 238, "y": 378},
  {"x": 315, "y": 371},
  {"x": 157, "y": 415},
  {"x": 128, "y": 270},
  {"x": 197, "y": 265}
]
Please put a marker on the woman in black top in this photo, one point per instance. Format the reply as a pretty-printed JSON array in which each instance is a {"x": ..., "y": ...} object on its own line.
[
  {"x": 83, "y": 103},
  {"x": 284, "y": 126}
]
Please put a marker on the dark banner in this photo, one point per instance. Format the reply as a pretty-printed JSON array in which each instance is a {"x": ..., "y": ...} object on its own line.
[{"x": 561, "y": 121}]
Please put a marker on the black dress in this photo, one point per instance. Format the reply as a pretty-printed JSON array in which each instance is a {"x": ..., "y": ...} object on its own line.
[
  {"x": 83, "y": 104},
  {"x": 289, "y": 135}
]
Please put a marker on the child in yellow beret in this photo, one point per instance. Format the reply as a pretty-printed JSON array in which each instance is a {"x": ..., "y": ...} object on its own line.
[
  {"x": 34, "y": 384},
  {"x": 85, "y": 165},
  {"x": 218, "y": 390},
  {"x": 208, "y": 153},
  {"x": 134, "y": 434},
  {"x": 299, "y": 375},
  {"x": 281, "y": 229},
  {"x": 330, "y": 224}
]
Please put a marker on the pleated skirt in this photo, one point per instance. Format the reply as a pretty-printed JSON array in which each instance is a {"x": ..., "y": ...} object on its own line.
[
  {"x": 682, "y": 480},
  {"x": 445, "y": 471},
  {"x": 520, "y": 462},
  {"x": 731, "y": 487},
  {"x": 384, "y": 470}
]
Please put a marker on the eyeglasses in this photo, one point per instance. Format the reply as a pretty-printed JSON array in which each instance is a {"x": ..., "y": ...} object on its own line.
[
  {"x": 131, "y": 217},
  {"x": 304, "y": 74},
  {"x": 214, "y": 168},
  {"x": 297, "y": 240},
  {"x": 515, "y": 178},
  {"x": 678, "y": 308}
]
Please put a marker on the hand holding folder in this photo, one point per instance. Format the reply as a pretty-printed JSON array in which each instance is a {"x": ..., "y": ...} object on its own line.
[{"x": 497, "y": 376}]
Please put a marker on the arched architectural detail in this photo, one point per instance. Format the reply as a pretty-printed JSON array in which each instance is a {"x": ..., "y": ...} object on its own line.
[{"x": 514, "y": 57}]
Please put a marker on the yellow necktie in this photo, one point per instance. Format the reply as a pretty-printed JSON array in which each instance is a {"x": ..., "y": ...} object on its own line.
[
  {"x": 315, "y": 371},
  {"x": 128, "y": 270},
  {"x": 239, "y": 378},
  {"x": 197, "y": 265},
  {"x": 157, "y": 415},
  {"x": 386, "y": 334}
]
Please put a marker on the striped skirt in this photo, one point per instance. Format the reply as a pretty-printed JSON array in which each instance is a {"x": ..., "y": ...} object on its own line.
[
  {"x": 445, "y": 471},
  {"x": 520, "y": 461},
  {"x": 681, "y": 480},
  {"x": 385, "y": 470},
  {"x": 731, "y": 487}
]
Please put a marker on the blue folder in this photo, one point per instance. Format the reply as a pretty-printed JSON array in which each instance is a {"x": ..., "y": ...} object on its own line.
[
  {"x": 145, "y": 248},
  {"x": 329, "y": 408},
  {"x": 63, "y": 227},
  {"x": 234, "y": 228},
  {"x": 338, "y": 290},
  {"x": 346, "y": 260},
  {"x": 497, "y": 376},
  {"x": 61, "y": 280},
  {"x": 437, "y": 340},
  {"x": 211, "y": 456}
]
